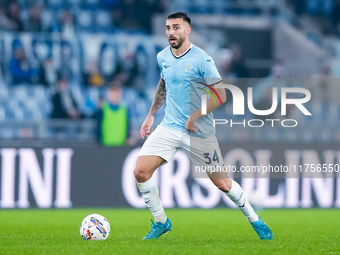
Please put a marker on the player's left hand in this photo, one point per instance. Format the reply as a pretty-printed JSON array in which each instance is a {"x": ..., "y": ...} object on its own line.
[{"x": 190, "y": 126}]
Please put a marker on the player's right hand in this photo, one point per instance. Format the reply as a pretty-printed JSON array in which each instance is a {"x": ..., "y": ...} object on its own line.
[{"x": 146, "y": 128}]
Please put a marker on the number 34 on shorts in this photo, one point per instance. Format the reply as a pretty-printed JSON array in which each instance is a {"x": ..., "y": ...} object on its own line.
[
  {"x": 210, "y": 159},
  {"x": 205, "y": 152}
]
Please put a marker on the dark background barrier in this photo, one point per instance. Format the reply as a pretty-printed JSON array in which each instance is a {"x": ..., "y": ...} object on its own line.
[{"x": 48, "y": 177}]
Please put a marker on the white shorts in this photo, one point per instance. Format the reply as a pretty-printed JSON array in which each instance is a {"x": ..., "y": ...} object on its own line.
[{"x": 164, "y": 142}]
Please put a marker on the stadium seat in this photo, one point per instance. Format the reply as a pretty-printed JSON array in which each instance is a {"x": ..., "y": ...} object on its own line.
[
  {"x": 46, "y": 19},
  {"x": 75, "y": 3},
  {"x": 103, "y": 21},
  {"x": 55, "y": 4},
  {"x": 84, "y": 21},
  {"x": 91, "y": 4},
  {"x": 32, "y": 114},
  {"x": 14, "y": 112},
  {"x": 3, "y": 92},
  {"x": 38, "y": 92},
  {"x": 19, "y": 93}
]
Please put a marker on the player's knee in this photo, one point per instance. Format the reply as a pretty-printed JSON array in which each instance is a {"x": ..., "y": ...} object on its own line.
[{"x": 140, "y": 175}]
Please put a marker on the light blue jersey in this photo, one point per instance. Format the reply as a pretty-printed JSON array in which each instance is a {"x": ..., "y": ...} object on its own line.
[{"x": 182, "y": 76}]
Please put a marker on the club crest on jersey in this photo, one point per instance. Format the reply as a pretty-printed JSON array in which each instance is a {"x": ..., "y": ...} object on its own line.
[{"x": 186, "y": 67}]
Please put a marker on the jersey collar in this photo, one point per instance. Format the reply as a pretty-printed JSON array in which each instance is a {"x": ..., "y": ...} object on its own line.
[{"x": 184, "y": 53}]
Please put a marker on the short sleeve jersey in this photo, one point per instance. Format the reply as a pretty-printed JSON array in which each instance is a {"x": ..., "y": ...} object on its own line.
[{"x": 184, "y": 77}]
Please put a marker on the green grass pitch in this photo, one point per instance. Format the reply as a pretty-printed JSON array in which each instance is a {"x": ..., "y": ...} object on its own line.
[{"x": 195, "y": 231}]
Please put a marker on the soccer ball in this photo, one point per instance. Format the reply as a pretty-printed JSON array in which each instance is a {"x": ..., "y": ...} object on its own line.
[{"x": 95, "y": 227}]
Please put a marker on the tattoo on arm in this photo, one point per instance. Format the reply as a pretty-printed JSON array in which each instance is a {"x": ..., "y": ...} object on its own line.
[{"x": 159, "y": 99}]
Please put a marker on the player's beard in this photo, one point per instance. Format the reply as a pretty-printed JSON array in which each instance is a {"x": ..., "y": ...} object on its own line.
[{"x": 179, "y": 43}]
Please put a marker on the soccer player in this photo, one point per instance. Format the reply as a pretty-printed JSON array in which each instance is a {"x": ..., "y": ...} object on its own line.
[{"x": 180, "y": 64}]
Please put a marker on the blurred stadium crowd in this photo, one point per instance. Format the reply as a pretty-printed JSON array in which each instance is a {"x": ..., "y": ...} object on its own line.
[{"x": 78, "y": 48}]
